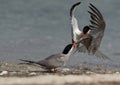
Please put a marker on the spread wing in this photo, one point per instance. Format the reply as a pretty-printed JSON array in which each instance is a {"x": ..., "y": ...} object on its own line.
[
  {"x": 92, "y": 43},
  {"x": 99, "y": 54},
  {"x": 98, "y": 26},
  {"x": 74, "y": 23}
]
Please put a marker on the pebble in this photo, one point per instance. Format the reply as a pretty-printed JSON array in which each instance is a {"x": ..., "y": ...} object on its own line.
[
  {"x": 3, "y": 73},
  {"x": 32, "y": 74},
  {"x": 89, "y": 72},
  {"x": 117, "y": 72},
  {"x": 65, "y": 69}
]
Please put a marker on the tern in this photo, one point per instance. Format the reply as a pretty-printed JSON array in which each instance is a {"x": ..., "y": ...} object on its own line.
[
  {"x": 91, "y": 34},
  {"x": 54, "y": 61}
]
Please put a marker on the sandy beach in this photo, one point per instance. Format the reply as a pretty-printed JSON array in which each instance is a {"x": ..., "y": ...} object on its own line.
[
  {"x": 95, "y": 79},
  {"x": 16, "y": 74}
]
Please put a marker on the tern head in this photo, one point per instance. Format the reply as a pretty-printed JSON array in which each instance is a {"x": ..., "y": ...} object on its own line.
[
  {"x": 86, "y": 29},
  {"x": 68, "y": 48}
]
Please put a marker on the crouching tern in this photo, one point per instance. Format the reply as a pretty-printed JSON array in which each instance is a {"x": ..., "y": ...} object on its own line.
[
  {"x": 54, "y": 61},
  {"x": 91, "y": 35}
]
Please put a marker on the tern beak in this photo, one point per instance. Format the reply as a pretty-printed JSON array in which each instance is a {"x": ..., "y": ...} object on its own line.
[{"x": 75, "y": 44}]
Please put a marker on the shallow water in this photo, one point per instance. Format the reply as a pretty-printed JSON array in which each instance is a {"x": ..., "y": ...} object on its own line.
[{"x": 35, "y": 29}]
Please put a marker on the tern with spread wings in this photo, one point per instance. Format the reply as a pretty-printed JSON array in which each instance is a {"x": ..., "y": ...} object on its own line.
[{"x": 91, "y": 35}]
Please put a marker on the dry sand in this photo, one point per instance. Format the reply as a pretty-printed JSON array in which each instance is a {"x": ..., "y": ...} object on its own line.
[{"x": 94, "y": 79}]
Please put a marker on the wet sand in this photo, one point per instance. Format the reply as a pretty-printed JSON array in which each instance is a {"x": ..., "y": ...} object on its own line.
[{"x": 35, "y": 75}]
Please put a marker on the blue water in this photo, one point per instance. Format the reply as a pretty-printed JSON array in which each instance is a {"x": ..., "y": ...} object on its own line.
[{"x": 35, "y": 29}]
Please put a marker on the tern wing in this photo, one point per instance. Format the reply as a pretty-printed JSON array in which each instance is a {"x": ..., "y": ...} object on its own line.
[
  {"x": 55, "y": 60},
  {"x": 74, "y": 22},
  {"x": 92, "y": 43},
  {"x": 48, "y": 63},
  {"x": 29, "y": 62},
  {"x": 99, "y": 54},
  {"x": 98, "y": 26}
]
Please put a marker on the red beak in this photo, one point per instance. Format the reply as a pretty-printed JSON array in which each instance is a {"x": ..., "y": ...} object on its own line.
[{"x": 74, "y": 44}]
